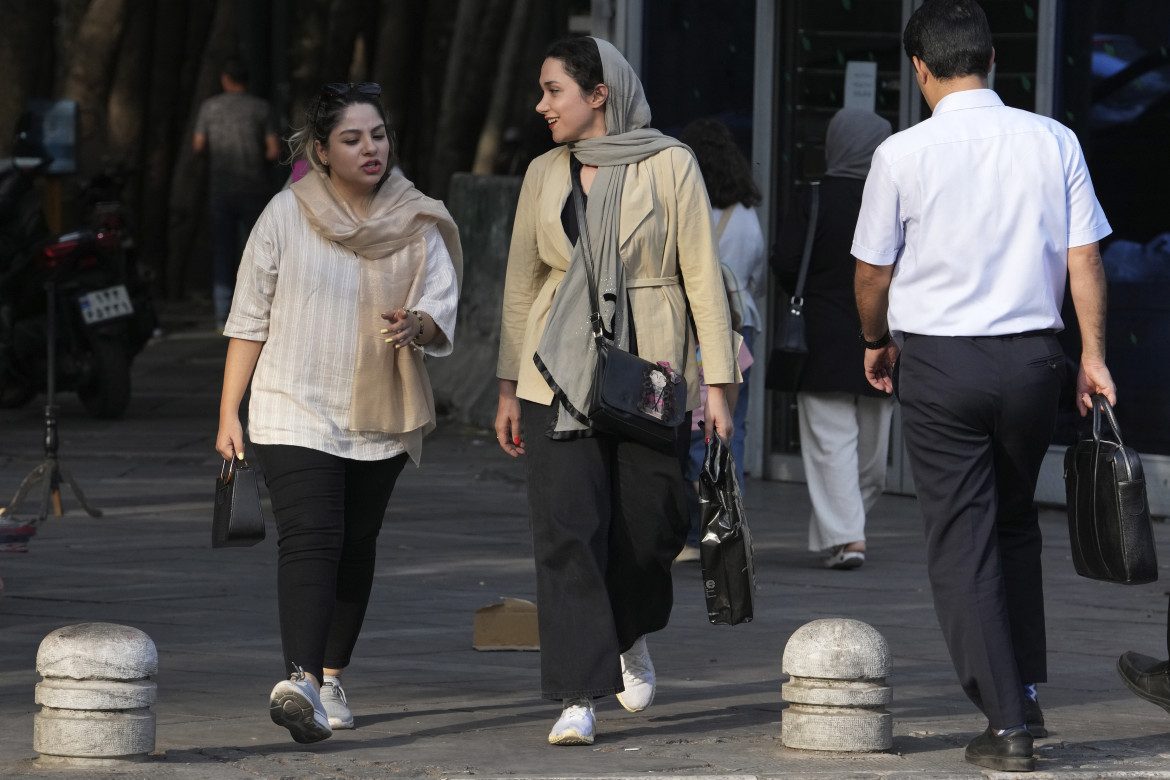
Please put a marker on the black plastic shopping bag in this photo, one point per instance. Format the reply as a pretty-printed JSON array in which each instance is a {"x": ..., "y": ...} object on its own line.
[{"x": 725, "y": 548}]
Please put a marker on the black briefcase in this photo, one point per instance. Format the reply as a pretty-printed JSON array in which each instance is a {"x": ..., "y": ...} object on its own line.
[{"x": 1108, "y": 515}]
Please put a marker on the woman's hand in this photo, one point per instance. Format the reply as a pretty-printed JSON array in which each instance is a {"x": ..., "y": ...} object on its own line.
[
  {"x": 403, "y": 328},
  {"x": 229, "y": 442},
  {"x": 508, "y": 433},
  {"x": 717, "y": 419}
]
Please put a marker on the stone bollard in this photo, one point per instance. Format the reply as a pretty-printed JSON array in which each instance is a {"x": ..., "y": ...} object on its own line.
[
  {"x": 96, "y": 693},
  {"x": 837, "y": 690}
]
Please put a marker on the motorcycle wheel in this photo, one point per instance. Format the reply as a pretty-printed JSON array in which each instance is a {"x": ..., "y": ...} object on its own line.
[{"x": 105, "y": 391}]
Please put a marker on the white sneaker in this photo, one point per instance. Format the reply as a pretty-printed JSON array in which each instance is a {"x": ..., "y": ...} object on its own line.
[
  {"x": 638, "y": 676},
  {"x": 296, "y": 705},
  {"x": 575, "y": 726},
  {"x": 336, "y": 706}
]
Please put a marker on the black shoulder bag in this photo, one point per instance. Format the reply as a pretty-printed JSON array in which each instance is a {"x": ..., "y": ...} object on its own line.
[
  {"x": 631, "y": 398},
  {"x": 790, "y": 347}
]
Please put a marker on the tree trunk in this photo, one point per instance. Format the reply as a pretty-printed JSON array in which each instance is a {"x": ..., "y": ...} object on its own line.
[
  {"x": 173, "y": 24},
  {"x": 396, "y": 66},
  {"x": 92, "y": 54},
  {"x": 188, "y": 185},
  {"x": 129, "y": 94},
  {"x": 25, "y": 61},
  {"x": 490, "y": 138},
  {"x": 471, "y": 67}
]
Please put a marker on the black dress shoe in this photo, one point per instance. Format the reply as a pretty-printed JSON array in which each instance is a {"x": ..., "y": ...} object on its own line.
[
  {"x": 1034, "y": 717},
  {"x": 1010, "y": 753},
  {"x": 1148, "y": 677}
]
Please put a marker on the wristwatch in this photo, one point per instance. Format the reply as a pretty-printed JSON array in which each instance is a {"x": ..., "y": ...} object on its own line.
[{"x": 881, "y": 342}]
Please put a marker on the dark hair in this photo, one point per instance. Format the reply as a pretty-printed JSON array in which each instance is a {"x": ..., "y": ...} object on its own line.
[
  {"x": 323, "y": 116},
  {"x": 726, "y": 172},
  {"x": 235, "y": 69},
  {"x": 581, "y": 59},
  {"x": 951, "y": 36}
]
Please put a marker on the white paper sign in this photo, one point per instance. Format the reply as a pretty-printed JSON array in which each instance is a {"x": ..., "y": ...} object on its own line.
[{"x": 861, "y": 85}]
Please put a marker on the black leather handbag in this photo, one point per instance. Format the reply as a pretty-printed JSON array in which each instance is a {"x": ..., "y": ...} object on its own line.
[
  {"x": 1108, "y": 515},
  {"x": 238, "y": 519},
  {"x": 789, "y": 344},
  {"x": 631, "y": 398},
  {"x": 725, "y": 548}
]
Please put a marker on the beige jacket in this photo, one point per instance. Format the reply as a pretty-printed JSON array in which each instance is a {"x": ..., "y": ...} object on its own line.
[{"x": 665, "y": 227}]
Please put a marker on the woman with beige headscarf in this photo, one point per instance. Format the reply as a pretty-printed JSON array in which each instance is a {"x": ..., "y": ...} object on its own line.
[
  {"x": 844, "y": 422},
  {"x": 348, "y": 278},
  {"x": 608, "y": 515}
]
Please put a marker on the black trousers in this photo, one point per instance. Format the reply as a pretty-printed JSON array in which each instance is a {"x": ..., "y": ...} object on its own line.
[
  {"x": 608, "y": 519},
  {"x": 978, "y": 415},
  {"x": 328, "y": 514}
]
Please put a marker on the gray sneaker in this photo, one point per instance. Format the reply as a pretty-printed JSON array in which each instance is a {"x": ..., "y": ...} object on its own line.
[
  {"x": 336, "y": 707},
  {"x": 296, "y": 705}
]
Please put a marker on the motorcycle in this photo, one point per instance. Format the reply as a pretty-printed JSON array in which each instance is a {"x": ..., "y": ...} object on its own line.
[{"x": 87, "y": 282}]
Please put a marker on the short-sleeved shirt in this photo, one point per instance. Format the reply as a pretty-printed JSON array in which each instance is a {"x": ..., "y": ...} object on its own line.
[
  {"x": 236, "y": 124},
  {"x": 976, "y": 208}
]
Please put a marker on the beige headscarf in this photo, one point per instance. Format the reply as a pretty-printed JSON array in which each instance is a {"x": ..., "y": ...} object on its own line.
[
  {"x": 391, "y": 389},
  {"x": 567, "y": 354}
]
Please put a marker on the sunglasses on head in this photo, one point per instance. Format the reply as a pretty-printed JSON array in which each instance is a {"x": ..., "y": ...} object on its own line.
[{"x": 338, "y": 89}]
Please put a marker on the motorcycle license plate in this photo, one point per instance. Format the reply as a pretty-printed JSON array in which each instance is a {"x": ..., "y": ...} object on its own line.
[{"x": 101, "y": 305}]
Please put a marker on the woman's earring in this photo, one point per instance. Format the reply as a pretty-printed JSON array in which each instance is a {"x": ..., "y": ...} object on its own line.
[{"x": 325, "y": 163}]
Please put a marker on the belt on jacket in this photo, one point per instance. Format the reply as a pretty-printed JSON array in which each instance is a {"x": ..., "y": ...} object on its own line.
[{"x": 662, "y": 281}]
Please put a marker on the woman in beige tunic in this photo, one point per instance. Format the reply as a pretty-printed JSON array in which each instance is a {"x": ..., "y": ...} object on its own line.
[
  {"x": 348, "y": 277},
  {"x": 608, "y": 516}
]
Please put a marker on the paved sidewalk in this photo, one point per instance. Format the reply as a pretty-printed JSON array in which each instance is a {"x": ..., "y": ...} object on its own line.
[{"x": 456, "y": 539}]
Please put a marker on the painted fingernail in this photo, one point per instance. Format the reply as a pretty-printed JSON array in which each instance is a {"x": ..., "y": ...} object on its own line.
[
  {"x": 708, "y": 441},
  {"x": 240, "y": 455},
  {"x": 516, "y": 440},
  {"x": 384, "y": 331}
]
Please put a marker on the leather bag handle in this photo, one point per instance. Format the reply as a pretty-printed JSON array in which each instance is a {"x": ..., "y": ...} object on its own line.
[{"x": 1102, "y": 407}]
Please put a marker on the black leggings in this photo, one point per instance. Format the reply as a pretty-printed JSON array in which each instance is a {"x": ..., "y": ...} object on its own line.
[{"x": 328, "y": 514}]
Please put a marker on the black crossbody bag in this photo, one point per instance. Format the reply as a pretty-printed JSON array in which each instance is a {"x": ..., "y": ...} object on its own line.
[{"x": 631, "y": 398}]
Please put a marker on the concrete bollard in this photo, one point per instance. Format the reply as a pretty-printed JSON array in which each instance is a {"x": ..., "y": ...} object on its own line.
[
  {"x": 96, "y": 693},
  {"x": 837, "y": 688}
]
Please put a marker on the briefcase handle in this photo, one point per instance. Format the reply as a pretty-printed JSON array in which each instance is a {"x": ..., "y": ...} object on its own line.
[
  {"x": 229, "y": 466},
  {"x": 1101, "y": 406}
]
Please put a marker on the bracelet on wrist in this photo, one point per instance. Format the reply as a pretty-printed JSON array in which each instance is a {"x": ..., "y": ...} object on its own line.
[
  {"x": 418, "y": 336},
  {"x": 881, "y": 342}
]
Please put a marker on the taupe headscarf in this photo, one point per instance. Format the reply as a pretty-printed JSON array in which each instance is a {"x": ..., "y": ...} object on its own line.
[
  {"x": 852, "y": 136},
  {"x": 391, "y": 390},
  {"x": 567, "y": 354}
]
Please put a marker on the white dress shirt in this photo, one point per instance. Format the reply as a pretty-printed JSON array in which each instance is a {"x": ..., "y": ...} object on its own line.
[
  {"x": 977, "y": 207},
  {"x": 298, "y": 293}
]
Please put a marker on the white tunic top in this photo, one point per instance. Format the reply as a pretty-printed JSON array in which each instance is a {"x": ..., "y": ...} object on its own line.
[
  {"x": 298, "y": 293},
  {"x": 741, "y": 248},
  {"x": 977, "y": 206}
]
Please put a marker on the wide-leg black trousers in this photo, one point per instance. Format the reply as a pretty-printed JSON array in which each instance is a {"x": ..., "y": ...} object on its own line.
[
  {"x": 608, "y": 518},
  {"x": 978, "y": 416},
  {"x": 328, "y": 512}
]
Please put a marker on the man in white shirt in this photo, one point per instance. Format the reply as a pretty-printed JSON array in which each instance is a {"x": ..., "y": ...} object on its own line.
[{"x": 969, "y": 225}]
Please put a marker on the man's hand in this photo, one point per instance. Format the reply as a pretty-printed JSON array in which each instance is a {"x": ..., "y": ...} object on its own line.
[
  {"x": 1093, "y": 378},
  {"x": 879, "y": 367}
]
